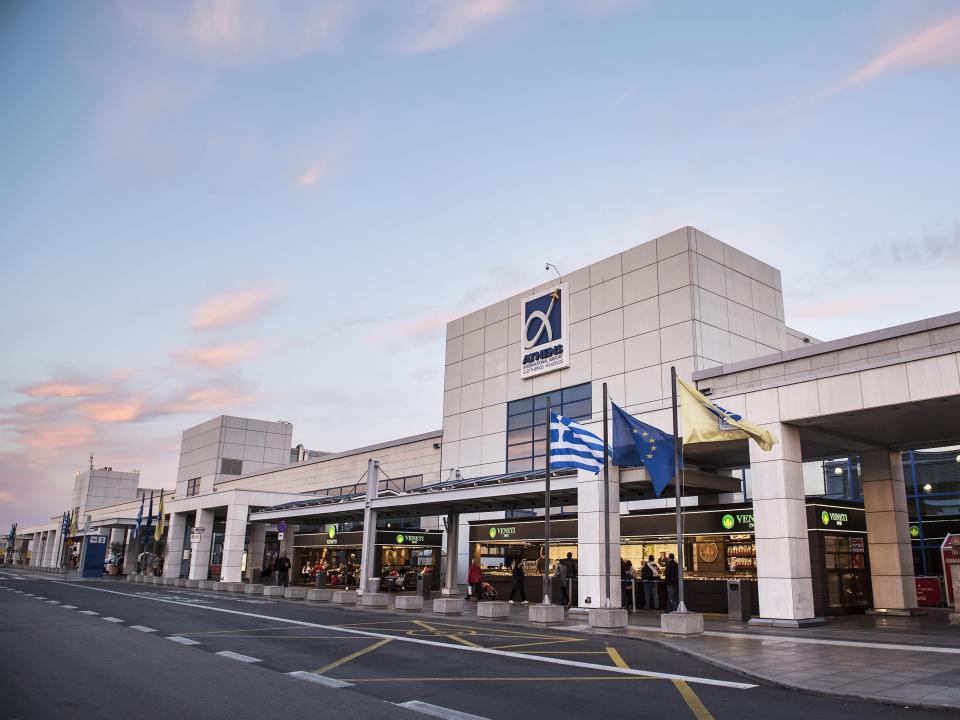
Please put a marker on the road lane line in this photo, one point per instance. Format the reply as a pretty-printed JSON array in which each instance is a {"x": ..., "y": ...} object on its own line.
[
  {"x": 39, "y": 597},
  {"x": 142, "y": 628},
  {"x": 319, "y": 679},
  {"x": 616, "y": 657},
  {"x": 536, "y": 678},
  {"x": 437, "y": 711},
  {"x": 112, "y": 619},
  {"x": 69, "y": 607},
  {"x": 237, "y": 656},
  {"x": 182, "y": 640},
  {"x": 698, "y": 709},
  {"x": 89, "y": 612},
  {"x": 53, "y": 602},
  {"x": 453, "y": 636},
  {"x": 433, "y": 643},
  {"x": 352, "y": 656}
]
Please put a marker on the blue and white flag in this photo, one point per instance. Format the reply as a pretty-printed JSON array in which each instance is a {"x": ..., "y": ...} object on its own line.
[
  {"x": 136, "y": 530},
  {"x": 573, "y": 446}
]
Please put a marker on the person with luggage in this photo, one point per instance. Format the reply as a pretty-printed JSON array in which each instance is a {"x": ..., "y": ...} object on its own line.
[
  {"x": 517, "y": 585},
  {"x": 650, "y": 574},
  {"x": 474, "y": 578}
]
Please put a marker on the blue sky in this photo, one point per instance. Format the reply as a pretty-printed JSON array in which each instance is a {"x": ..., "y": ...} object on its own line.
[{"x": 271, "y": 209}]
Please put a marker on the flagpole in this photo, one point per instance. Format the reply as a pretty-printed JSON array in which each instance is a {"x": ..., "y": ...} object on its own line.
[
  {"x": 678, "y": 461},
  {"x": 546, "y": 518},
  {"x": 606, "y": 499}
]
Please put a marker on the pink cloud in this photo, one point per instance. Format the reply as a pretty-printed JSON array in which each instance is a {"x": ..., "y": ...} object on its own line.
[
  {"x": 935, "y": 45},
  {"x": 447, "y": 24},
  {"x": 238, "y": 32},
  {"x": 53, "y": 437},
  {"x": 212, "y": 399},
  {"x": 234, "y": 308},
  {"x": 216, "y": 356},
  {"x": 64, "y": 389},
  {"x": 113, "y": 411}
]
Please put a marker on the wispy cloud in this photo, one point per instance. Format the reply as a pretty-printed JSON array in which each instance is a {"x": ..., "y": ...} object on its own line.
[
  {"x": 234, "y": 308},
  {"x": 447, "y": 24},
  {"x": 53, "y": 437},
  {"x": 936, "y": 45},
  {"x": 113, "y": 411},
  {"x": 239, "y": 32},
  {"x": 208, "y": 399},
  {"x": 64, "y": 389},
  {"x": 218, "y": 356}
]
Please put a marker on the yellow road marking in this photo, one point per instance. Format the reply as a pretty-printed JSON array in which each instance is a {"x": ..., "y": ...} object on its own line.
[
  {"x": 463, "y": 641},
  {"x": 352, "y": 656},
  {"x": 540, "y": 642},
  {"x": 698, "y": 709},
  {"x": 564, "y": 678},
  {"x": 617, "y": 657}
]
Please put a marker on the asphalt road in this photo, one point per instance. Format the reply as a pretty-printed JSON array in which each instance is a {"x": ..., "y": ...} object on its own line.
[{"x": 84, "y": 650}]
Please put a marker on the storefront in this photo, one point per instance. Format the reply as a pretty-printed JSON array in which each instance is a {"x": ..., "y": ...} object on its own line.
[
  {"x": 402, "y": 557},
  {"x": 718, "y": 546}
]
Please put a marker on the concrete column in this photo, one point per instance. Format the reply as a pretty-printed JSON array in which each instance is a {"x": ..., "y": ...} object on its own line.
[
  {"x": 592, "y": 567},
  {"x": 234, "y": 538},
  {"x": 50, "y": 552},
  {"x": 175, "y": 543},
  {"x": 35, "y": 552},
  {"x": 369, "y": 526},
  {"x": 256, "y": 548},
  {"x": 450, "y": 586},
  {"x": 130, "y": 554},
  {"x": 780, "y": 518},
  {"x": 200, "y": 555},
  {"x": 888, "y": 532}
]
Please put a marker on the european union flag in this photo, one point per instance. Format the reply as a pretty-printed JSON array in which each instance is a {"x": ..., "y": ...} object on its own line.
[{"x": 636, "y": 444}]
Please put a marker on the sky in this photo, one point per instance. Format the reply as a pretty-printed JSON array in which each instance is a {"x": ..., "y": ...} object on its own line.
[{"x": 272, "y": 209}]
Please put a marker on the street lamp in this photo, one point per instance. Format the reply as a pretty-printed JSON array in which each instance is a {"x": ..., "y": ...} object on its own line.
[{"x": 838, "y": 471}]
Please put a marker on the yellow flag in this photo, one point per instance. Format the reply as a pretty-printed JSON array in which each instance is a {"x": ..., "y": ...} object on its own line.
[
  {"x": 158, "y": 530},
  {"x": 705, "y": 422}
]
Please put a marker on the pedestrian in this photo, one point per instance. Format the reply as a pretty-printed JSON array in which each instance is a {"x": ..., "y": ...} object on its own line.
[
  {"x": 627, "y": 576},
  {"x": 672, "y": 575},
  {"x": 282, "y": 568},
  {"x": 563, "y": 580},
  {"x": 650, "y": 574},
  {"x": 518, "y": 581},
  {"x": 474, "y": 577}
]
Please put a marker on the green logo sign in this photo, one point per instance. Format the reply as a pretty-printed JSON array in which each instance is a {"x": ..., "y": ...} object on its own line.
[
  {"x": 728, "y": 522},
  {"x": 400, "y": 539},
  {"x": 332, "y": 532},
  {"x": 825, "y": 517},
  {"x": 838, "y": 518},
  {"x": 493, "y": 532},
  {"x": 914, "y": 531}
]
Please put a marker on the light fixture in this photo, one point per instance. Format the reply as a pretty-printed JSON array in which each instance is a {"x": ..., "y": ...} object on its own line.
[
  {"x": 958, "y": 458},
  {"x": 928, "y": 487},
  {"x": 838, "y": 471}
]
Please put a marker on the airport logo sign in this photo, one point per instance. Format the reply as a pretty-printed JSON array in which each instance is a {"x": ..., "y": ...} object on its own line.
[{"x": 543, "y": 332}]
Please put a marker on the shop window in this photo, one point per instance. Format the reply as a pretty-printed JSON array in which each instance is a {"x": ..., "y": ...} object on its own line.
[
  {"x": 527, "y": 424},
  {"x": 231, "y": 467},
  {"x": 193, "y": 486}
]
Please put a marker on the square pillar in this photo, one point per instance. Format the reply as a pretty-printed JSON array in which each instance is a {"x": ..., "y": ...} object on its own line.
[
  {"x": 234, "y": 538},
  {"x": 780, "y": 520},
  {"x": 35, "y": 552},
  {"x": 200, "y": 552},
  {"x": 256, "y": 548},
  {"x": 50, "y": 552},
  {"x": 175, "y": 540},
  {"x": 130, "y": 554},
  {"x": 888, "y": 532},
  {"x": 592, "y": 567},
  {"x": 450, "y": 585}
]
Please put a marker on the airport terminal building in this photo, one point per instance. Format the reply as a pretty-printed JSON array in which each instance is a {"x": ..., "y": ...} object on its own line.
[{"x": 429, "y": 504}]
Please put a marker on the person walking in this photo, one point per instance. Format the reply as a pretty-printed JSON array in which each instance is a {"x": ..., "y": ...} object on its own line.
[
  {"x": 517, "y": 585},
  {"x": 563, "y": 580},
  {"x": 650, "y": 574},
  {"x": 474, "y": 577},
  {"x": 282, "y": 568},
  {"x": 672, "y": 575}
]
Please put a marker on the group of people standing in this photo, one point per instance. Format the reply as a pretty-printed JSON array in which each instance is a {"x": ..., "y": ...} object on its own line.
[{"x": 650, "y": 576}]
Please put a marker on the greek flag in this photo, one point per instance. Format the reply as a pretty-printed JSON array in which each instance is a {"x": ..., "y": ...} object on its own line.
[{"x": 573, "y": 446}]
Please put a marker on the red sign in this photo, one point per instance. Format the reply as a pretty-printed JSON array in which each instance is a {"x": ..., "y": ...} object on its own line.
[{"x": 928, "y": 592}]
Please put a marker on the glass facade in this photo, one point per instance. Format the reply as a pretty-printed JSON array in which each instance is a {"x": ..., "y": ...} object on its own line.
[
  {"x": 932, "y": 478},
  {"x": 527, "y": 424}
]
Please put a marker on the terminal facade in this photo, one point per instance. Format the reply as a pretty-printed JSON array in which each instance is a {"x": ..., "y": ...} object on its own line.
[{"x": 684, "y": 300}]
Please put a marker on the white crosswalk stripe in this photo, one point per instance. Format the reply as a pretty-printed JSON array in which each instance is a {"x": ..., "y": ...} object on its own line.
[
  {"x": 142, "y": 628},
  {"x": 182, "y": 640},
  {"x": 237, "y": 656},
  {"x": 112, "y": 619}
]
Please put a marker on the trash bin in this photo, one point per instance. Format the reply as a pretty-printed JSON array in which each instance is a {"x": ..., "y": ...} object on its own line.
[
  {"x": 373, "y": 585},
  {"x": 255, "y": 576},
  {"x": 321, "y": 581},
  {"x": 739, "y": 596},
  {"x": 425, "y": 585}
]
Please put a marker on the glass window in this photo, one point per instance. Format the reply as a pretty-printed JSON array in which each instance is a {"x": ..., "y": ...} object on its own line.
[
  {"x": 231, "y": 467},
  {"x": 193, "y": 486},
  {"x": 527, "y": 423}
]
